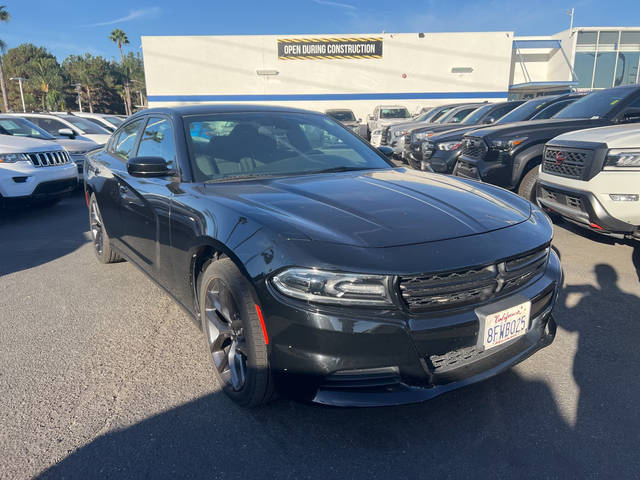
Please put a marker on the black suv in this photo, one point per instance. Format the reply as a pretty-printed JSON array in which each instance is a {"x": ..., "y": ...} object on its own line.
[
  {"x": 508, "y": 155},
  {"x": 486, "y": 114}
]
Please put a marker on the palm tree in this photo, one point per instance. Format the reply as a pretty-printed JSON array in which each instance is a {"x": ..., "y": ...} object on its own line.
[
  {"x": 120, "y": 38},
  {"x": 4, "y": 17}
]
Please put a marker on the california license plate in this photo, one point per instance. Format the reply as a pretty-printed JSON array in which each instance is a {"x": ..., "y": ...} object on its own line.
[{"x": 506, "y": 325}]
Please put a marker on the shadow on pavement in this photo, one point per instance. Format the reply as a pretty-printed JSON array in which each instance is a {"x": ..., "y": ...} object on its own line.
[
  {"x": 32, "y": 236},
  {"x": 508, "y": 426}
]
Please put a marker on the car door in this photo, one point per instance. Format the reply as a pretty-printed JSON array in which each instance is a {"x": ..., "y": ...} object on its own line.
[{"x": 145, "y": 203}]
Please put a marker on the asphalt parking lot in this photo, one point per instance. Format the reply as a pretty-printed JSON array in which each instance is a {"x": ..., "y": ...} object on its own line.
[{"x": 102, "y": 375}]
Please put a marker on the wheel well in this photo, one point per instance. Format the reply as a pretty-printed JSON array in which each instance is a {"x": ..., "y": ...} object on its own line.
[
  {"x": 531, "y": 164},
  {"x": 201, "y": 259}
]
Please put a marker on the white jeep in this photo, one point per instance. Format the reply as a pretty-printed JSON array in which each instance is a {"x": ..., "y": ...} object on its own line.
[
  {"x": 592, "y": 178},
  {"x": 34, "y": 171}
]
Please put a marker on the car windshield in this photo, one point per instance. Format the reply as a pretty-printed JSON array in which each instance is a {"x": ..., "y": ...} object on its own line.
[
  {"x": 20, "y": 127},
  {"x": 441, "y": 115},
  {"x": 596, "y": 104},
  {"x": 525, "y": 111},
  {"x": 552, "y": 109},
  {"x": 99, "y": 123},
  {"x": 342, "y": 115},
  {"x": 86, "y": 126},
  {"x": 477, "y": 115},
  {"x": 394, "y": 113},
  {"x": 228, "y": 146},
  {"x": 117, "y": 121}
]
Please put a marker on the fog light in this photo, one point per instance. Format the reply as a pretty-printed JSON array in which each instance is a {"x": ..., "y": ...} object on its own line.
[{"x": 624, "y": 197}]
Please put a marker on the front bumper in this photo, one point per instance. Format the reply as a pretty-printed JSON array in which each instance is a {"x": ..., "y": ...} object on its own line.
[
  {"x": 22, "y": 181},
  {"x": 582, "y": 208},
  {"x": 439, "y": 161},
  {"x": 495, "y": 168},
  {"x": 371, "y": 358}
]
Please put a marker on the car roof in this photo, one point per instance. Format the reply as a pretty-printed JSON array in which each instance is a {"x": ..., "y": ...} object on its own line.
[{"x": 183, "y": 110}]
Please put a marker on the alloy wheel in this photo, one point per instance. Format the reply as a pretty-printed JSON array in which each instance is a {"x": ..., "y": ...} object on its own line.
[
  {"x": 225, "y": 335},
  {"x": 97, "y": 232}
]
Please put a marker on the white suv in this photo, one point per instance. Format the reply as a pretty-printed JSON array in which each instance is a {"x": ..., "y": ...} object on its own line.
[
  {"x": 34, "y": 170},
  {"x": 592, "y": 178}
]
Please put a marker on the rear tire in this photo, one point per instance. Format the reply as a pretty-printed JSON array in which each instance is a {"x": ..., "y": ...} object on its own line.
[
  {"x": 101, "y": 241},
  {"x": 233, "y": 333},
  {"x": 527, "y": 188}
]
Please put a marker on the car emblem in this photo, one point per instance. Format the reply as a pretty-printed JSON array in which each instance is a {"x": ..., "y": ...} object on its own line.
[{"x": 560, "y": 158}]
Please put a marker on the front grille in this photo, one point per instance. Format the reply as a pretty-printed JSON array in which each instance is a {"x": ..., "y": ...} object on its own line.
[
  {"x": 362, "y": 378},
  {"x": 564, "y": 163},
  {"x": 474, "y": 147},
  {"x": 458, "y": 288},
  {"x": 454, "y": 357},
  {"x": 467, "y": 170},
  {"x": 386, "y": 136},
  {"x": 562, "y": 198},
  {"x": 49, "y": 159}
]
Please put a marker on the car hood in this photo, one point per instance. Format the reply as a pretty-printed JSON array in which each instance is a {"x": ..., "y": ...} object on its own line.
[
  {"x": 554, "y": 125},
  {"x": 13, "y": 144},
  {"x": 409, "y": 125},
  {"x": 618, "y": 136},
  {"x": 442, "y": 127},
  {"x": 379, "y": 208},
  {"x": 76, "y": 145},
  {"x": 454, "y": 134},
  {"x": 390, "y": 121}
]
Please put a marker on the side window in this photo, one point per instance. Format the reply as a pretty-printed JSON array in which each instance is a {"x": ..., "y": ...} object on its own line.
[
  {"x": 157, "y": 140},
  {"x": 458, "y": 117},
  {"x": 631, "y": 112},
  {"x": 124, "y": 141},
  {"x": 502, "y": 111},
  {"x": 49, "y": 124}
]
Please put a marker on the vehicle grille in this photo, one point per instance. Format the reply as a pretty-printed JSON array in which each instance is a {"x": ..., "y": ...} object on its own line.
[
  {"x": 473, "y": 285},
  {"x": 49, "y": 159},
  {"x": 386, "y": 136},
  {"x": 454, "y": 358},
  {"x": 564, "y": 163},
  {"x": 562, "y": 198},
  {"x": 474, "y": 147},
  {"x": 466, "y": 170}
]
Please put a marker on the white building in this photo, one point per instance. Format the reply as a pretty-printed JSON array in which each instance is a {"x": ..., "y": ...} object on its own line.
[{"x": 319, "y": 72}]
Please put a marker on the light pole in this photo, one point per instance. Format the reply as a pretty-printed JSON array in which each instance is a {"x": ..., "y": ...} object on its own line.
[
  {"x": 571, "y": 13},
  {"x": 20, "y": 80},
  {"x": 79, "y": 91}
]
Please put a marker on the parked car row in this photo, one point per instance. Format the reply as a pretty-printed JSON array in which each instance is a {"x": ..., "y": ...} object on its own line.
[
  {"x": 577, "y": 156},
  {"x": 29, "y": 142}
]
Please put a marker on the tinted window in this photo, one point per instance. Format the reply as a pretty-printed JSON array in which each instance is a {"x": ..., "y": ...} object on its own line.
[
  {"x": 461, "y": 115},
  {"x": 441, "y": 115},
  {"x": 230, "y": 145},
  {"x": 157, "y": 140},
  {"x": 124, "y": 141},
  {"x": 605, "y": 64},
  {"x": 86, "y": 126},
  {"x": 23, "y": 128},
  {"x": 49, "y": 124},
  {"x": 503, "y": 110},
  {"x": 342, "y": 115},
  {"x": 587, "y": 38},
  {"x": 477, "y": 114},
  {"x": 632, "y": 110},
  {"x": 596, "y": 104},
  {"x": 394, "y": 113},
  {"x": 524, "y": 111},
  {"x": 583, "y": 66},
  {"x": 552, "y": 109},
  {"x": 100, "y": 124}
]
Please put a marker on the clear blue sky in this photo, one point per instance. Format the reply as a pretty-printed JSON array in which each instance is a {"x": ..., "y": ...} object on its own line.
[{"x": 74, "y": 26}]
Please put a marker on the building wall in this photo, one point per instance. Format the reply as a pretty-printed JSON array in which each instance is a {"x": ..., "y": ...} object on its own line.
[{"x": 413, "y": 71}]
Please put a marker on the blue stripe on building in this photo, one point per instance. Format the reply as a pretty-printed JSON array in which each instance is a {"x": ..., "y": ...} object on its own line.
[{"x": 326, "y": 96}]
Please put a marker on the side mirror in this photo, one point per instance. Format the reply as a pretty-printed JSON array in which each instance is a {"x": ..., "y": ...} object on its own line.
[
  {"x": 630, "y": 117},
  {"x": 386, "y": 151},
  {"x": 148, "y": 167},
  {"x": 67, "y": 132}
]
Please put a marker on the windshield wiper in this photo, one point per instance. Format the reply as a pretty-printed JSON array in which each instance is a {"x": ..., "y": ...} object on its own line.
[
  {"x": 241, "y": 177},
  {"x": 342, "y": 169}
]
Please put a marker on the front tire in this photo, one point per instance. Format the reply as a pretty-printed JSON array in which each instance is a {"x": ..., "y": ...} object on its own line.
[
  {"x": 527, "y": 188},
  {"x": 101, "y": 241},
  {"x": 234, "y": 335}
]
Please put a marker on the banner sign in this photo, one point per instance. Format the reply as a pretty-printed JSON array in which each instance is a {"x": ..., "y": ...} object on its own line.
[{"x": 329, "y": 48}]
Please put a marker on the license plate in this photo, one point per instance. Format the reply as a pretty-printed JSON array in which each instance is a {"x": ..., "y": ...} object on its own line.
[{"x": 506, "y": 325}]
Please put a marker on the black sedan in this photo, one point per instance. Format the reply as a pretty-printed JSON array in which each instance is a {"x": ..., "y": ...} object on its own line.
[{"x": 313, "y": 266}]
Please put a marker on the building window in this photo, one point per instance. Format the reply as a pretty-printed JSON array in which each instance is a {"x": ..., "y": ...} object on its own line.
[
  {"x": 587, "y": 38},
  {"x": 627, "y": 70},
  {"x": 583, "y": 66},
  {"x": 605, "y": 66}
]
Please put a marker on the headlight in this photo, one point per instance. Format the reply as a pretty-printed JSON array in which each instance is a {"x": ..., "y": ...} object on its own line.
[
  {"x": 335, "y": 288},
  {"x": 13, "y": 157},
  {"x": 398, "y": 133},
  {"x": 449, "y": 145},
  {"x": 420, "y": 135},
  {"x": 507, "y": 144},
  {"x": 623, "y": 158}
]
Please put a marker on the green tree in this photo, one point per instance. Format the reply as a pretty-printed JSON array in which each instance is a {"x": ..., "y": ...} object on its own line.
[
  {"x": 135, "y": 67},
  {"x": 120, "y": 38},
  {"x": 4, "y": 17},
  {"x": 45, "y": 74}
]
